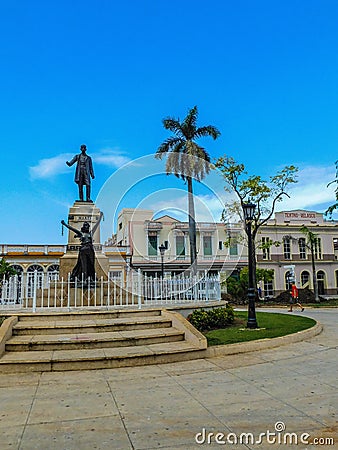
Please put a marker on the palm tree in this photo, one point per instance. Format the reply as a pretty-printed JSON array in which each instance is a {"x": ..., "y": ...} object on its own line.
[{"x": 187, "y": 160}]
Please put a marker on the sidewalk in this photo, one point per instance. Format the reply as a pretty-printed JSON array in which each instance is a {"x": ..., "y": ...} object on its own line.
[{"x": 166, "y": 406}]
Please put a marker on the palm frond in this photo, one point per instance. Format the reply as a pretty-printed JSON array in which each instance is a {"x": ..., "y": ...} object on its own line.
[
  {"x": 173, "y": 125},
  {"x": 167, "y": 146},
  {"x": 185, "y": 157},
  {"x": 209, "y": 130},
  {"x": 189, "y": 123}
]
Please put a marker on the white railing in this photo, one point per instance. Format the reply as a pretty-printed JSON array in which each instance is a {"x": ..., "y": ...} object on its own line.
[
  {"x": 180, "y": 289},
  {"x": 35, "y": 291}
]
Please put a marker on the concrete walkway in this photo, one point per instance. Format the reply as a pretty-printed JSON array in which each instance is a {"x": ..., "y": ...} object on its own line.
[{"x": 168, "y": 406}]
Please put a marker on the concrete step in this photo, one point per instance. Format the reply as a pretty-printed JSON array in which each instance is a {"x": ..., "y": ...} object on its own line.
[
  {"x": 97, "y": 340},
  {"x": 85, "y": 314},
  {"x": 88, "y": 325},
  {"x": 103, "y": 358},
  {"x": 49, "y": 342}
]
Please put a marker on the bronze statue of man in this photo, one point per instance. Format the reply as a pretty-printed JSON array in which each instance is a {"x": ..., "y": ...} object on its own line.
[{"x": 84, "y": 171}]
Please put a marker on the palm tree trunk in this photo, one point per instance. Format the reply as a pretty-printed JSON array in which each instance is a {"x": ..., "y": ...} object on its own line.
[
  {"x": 314, "y": 275},
  {"x": 192, "y": 228}
]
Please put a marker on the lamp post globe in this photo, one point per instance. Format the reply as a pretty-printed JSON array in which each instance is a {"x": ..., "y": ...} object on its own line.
[{"x": 249, "y": 211}]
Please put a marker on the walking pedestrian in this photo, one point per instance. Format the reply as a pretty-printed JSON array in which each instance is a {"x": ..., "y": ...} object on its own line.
[{"x": 294, "y": 298}]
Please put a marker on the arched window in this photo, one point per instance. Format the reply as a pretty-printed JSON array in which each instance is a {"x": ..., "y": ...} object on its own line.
[
  {"x": 31, "y": 276},
  {"x": 35, "y": 268},
  {"x": 305, "y": 279},
  {"x": 53, "y": 272},
  {"x": 18, "y": 269}
]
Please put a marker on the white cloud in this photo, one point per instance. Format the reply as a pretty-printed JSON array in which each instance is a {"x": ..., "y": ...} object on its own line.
[
  {"x": 51, "y": 167},
  {"x": 110, "y": 157},
  {"x": 311, "y": 191}
]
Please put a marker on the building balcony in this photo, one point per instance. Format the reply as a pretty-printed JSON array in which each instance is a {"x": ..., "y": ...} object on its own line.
[
  {"x": 174, "y": 259},
  {"x": 206, "y": 226},
  {"x": 153, "y": 226},
  {"x": 181, "y": 226},
  {"x": 115, "y": 249},
  {"x": 11, "y": 249},
  {"x": 201, "y": 227}
]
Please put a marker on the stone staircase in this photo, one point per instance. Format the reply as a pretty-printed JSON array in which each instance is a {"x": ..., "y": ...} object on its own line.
[{"x": 98, "y": 340}]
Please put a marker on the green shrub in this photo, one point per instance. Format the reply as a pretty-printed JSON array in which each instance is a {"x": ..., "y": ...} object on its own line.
[{"x": 211, "y": 319}]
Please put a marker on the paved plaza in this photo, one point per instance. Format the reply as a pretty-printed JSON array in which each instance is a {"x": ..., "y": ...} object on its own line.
[{"x": 253, "y": 399}]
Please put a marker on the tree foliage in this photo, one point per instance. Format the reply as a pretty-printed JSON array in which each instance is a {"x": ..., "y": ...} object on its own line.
[
  {"x": 238, "y": 287},
  {"x": 185, "y": 158},
  {"x": 252, "y": 188},
  {"x": 6, "y": 270}
]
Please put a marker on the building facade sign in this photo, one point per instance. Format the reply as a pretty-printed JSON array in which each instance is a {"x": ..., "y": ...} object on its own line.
[{"x": 299, "y": 215}]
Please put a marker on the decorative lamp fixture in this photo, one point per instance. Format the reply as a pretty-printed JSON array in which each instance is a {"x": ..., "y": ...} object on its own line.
[
  {"x": 162, "y": 248},
  {"x": 249, "y": 211}
]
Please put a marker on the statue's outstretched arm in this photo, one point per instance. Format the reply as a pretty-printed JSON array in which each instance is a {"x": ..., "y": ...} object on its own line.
[
  {"x": 70, "y": 163},
  {"x": 97, "y": 223},
  {"x": 77, "y": 232}
]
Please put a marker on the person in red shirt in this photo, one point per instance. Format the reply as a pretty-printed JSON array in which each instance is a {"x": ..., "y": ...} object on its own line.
[{"x": 294, "y": 298}]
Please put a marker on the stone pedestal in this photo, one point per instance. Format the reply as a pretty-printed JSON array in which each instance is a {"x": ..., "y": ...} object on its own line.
[{"x": 79, "y": 213}]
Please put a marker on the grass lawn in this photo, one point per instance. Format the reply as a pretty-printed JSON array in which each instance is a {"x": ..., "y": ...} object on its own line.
[{"x": 271, "y": 325}]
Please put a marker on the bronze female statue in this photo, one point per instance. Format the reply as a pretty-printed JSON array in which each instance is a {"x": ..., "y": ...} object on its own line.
[{"x": 85, "y": 266}]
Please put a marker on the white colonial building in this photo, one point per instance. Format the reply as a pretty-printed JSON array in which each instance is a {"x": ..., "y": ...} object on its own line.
[
  {"x": 135, "y": 245},
  {"x": 143, "y": 235}
]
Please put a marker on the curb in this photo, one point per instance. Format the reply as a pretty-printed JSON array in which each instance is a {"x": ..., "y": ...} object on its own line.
[
  {"x": 263, "y": 344},
  {"x": 6, "y": 332}
]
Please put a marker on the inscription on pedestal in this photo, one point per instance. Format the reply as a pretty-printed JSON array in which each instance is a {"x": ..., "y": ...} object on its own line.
[{"x": 75, "y": 248}]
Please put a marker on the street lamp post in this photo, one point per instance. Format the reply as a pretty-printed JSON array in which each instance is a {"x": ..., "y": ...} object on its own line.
[
  {"x": 249, "y": 211},
  {"x": 162, "y": 248}
]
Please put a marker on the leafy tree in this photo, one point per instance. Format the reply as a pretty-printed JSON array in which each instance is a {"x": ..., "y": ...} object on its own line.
[
  {"x": 187, "y": 160},
  {"x": 312, "y": 243},
  {"x": 252, "y": 188},
  {"x": 6, "y": 270},
  {"x": 238, "y": 287}
]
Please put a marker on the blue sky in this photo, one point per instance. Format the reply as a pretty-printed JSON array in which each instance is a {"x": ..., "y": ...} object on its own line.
[{"x": 106, "y": 73}]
